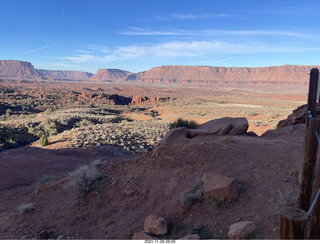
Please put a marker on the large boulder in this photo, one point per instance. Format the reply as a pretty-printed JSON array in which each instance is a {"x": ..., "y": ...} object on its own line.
[
  {"x": 170, "y": 139},
  {"x": 223, "y": 126},
  {"x": 219, "y": 187},
  {"x": 241, "y": 229},
  {"x": 155, "y": 225}
]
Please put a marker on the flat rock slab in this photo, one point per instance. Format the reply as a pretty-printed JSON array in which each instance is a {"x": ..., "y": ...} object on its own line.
[
  {"x": 241, "y": 229},
  {"x": 219, "y": 187}
]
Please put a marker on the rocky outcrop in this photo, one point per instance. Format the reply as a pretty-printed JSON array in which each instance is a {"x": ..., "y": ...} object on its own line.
[
  {"x": 64, "y": 75},
  {"x": 219, "y": 187},
  {"x": 298, "y": 116},
  {"x": 110, "y": 75},
  {"x": 223, "y": 126},
  {"x": 18, "y": 70},
  {"x": 285, "y": 75}
]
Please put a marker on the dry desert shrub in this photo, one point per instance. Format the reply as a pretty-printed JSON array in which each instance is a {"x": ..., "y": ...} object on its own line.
[
  {"x": 24, "y": 208},
  {"x": 288, "y": 197},
  {"x": 83, "y": 179}
]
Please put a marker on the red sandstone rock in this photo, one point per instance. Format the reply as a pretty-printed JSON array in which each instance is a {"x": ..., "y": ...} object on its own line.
[
  {"x": 155, "y": 225},
  {"x": 110, "y": 75},
  {"x": 219, "y": 187},
  {"x": 241, "y": 229},
  {"x": 223, "y": 126}
]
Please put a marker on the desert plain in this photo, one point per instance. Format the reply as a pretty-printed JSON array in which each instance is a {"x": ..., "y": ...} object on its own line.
[{"x": 121, "y": 131}]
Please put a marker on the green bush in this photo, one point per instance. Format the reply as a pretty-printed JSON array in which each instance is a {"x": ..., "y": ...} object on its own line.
[
  {"x": 43, "y": 140},
  {"x": 83, "y": 123},
  {"x": 6, "y": 136},
  {"x": 190, "y": 124}
]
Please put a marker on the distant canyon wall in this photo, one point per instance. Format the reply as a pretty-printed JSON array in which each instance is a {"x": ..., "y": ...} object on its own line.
[
  {"x": 201, "y": 74},
  {"x": 287, "y": 75}
]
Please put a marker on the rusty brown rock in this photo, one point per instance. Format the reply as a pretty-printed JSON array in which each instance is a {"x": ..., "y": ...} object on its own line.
[
  {"x": 219, "y": 187},
  {"x": 155, "y": 225},
  {"x": 241, "y": 229}
]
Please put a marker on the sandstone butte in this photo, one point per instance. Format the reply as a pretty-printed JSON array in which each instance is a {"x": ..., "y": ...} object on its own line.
[{"x": 288, "y": 75}]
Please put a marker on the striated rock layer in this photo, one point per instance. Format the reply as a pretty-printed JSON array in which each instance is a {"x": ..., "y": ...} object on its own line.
[
  {"x": 110, "y": 75},
  {"x": 287, "y": 74},
  {"x": 64, "y": 74},
  {"x": 18, "y": 70}
]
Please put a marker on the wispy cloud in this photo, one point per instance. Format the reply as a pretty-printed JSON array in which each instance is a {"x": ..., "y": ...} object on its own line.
[
  {"x": 222, "y": 60},
  {"x": 211, "y": 32},
  {"x": 37, "y": 49},
  {"x": 179, "y": 16},
  {"x": 63, "y": 9},
  {"x": 82, "y": 58},
  {"x": 183, "y": 49}
]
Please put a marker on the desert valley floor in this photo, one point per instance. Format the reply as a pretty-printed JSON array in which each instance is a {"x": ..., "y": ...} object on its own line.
[{"x": 119, "y": 128}]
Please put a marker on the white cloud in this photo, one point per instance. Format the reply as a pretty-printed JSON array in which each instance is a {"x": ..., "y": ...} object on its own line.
[
  {"x": 82, "y": 58},
  {"x": 179, "y": 16},
  {"x": 181, "y": 49},
  {"x": 212, "y": 32}
]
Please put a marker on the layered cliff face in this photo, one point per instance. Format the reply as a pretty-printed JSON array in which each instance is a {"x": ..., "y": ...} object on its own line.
[
  {"x": 110, "y": 75},
  {"x": 64, "y": 75},
  {"x": 18, "y": 70},
  {"x": 289, "y": 74}
]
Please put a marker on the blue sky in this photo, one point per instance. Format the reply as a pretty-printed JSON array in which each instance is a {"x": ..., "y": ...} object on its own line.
[{"x": 136, "y": 35}]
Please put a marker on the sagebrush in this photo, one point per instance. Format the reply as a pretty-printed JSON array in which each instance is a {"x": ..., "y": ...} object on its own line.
[
  {"x": 84, "y": 179},
  {"x": 24, "y": 208},
  {"x": 190, "y": 124}
]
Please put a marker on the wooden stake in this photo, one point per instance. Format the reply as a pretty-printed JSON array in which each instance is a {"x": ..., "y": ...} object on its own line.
[
  {"x": 308, "y": 164},
  {"x": 293, "y": 224},
  {"x": 314, "y": 233},
  {"x": 313, "y": 87}
]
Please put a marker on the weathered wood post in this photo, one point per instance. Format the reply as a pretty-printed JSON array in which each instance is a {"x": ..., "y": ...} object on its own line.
[
  {"x": 311, "y": 111},
  {"x": 314, "y": 232},
  {"x": 313, "y": 91},
  {"x": 308, "y": 164},
  {"x": 293, "y": 224}
]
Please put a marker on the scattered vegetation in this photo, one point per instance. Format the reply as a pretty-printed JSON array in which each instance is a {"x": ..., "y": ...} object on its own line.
[
  {"x": 189, "y": 197},
  {"x": 46, "y": 178},
  {"x": 6, "y": 136},
  {"x": 84, "y": 179},
  {"x": 190, "y": 124},
  {"x": 83, "y": 123},
  {"x": 205, "y": 233},
  {"x": 24, "y": 208}
]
